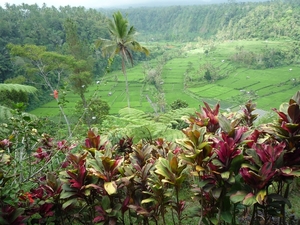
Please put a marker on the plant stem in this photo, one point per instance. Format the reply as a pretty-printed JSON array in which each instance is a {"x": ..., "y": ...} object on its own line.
[
  {"x": 286, "y": 193},
  {"x": 233, "y": 216},
  {"x": 253, "y": 214},
  {"x": 178, "y": 205}
]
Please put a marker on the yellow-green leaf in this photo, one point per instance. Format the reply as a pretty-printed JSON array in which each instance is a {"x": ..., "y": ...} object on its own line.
[
  {"x": 110, "y": 187},
  {"x": 261, "y": 196}
]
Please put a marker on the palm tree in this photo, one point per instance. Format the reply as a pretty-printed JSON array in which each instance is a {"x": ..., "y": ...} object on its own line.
[{"x": 122, "y": 42}]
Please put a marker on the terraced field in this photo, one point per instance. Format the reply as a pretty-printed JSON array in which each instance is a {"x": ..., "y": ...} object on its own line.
[{"x": 269, "y": 87}]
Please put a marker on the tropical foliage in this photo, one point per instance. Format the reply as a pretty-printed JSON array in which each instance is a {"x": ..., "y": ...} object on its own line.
[
  {"x": 176, "y": 167},
  {"x": 228, "y": 164}
]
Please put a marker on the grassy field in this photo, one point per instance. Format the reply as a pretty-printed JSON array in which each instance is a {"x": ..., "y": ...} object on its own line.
[{"x": 269, "y": 87}]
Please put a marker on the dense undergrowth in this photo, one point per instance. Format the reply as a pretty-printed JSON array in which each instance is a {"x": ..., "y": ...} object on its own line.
[{"x": 224, "y": 171}]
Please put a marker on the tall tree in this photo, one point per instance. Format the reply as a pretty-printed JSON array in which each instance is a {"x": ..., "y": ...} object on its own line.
[
  {"x": 48, "y": 66},
  {"x": 81, "y": 76},
  {"x": 122, "y": 42}
]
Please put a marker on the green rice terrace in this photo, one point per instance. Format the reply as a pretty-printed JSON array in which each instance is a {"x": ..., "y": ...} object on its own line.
[{"x": 183, "y": 75}]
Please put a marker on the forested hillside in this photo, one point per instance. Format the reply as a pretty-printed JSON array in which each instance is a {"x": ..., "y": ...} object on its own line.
[
  {"x": 261, "y": 20},
  {"x": 31, "y": 25}
]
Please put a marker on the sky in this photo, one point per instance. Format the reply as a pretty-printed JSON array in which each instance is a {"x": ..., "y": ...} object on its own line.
[
  {"x": 85, "y": 3},
  {"x": 91, "y": 3}
]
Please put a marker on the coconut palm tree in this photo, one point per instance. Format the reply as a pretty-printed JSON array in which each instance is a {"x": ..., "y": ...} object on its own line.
[{"x": 122, "y": 41}]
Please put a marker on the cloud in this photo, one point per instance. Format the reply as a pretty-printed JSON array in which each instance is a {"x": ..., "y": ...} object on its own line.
[{"x": 85, "y": 3}]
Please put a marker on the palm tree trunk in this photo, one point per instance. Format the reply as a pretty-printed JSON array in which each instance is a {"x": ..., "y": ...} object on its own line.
[{"x": 126, "y": 83}]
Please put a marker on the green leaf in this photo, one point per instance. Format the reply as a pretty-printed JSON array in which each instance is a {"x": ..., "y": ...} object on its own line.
[
  {"x": 217, "y": 162},
  {"x": 163, "y": 168},
  {"x": 249, "y": 199},
  {"x": 67, "y": 194},
  {"x": 106, "y": 202},
  {"x": 238, "y": 196},
  {"x": 279, "y": 198},
  {"x": 290, "y": 171},
  {"x": 236, "y": 163},
  {"x": 214, "y": 221},
  {"x": 225, "y": 175},
  {"x": 255, "y": 157},
  {"x": 224, "y": 123},
  {"x": 147, "y": 200},
  {"x": 226, "y": 216},
  {"x": 203, "y": 183},
  {"x": 216, "y": 192},
  {"x": 69, "y": 202}
]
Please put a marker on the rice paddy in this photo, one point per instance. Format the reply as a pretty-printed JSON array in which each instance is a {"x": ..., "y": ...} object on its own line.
[{"x": 268, "y": 87}]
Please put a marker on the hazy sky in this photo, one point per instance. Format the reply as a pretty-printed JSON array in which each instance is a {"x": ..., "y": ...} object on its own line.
[{"x": 85, "y": 3}]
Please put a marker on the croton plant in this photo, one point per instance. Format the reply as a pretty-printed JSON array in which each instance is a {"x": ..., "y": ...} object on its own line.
[{"x": 228, "y": 166}]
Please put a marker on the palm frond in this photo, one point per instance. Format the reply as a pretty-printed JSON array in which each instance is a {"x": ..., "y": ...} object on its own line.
[
  {"x": 134, "y": 45},
  {"x": 118, "y": 27},
  {"x": 146, "y": 51},
  {"x": 108, "y": 47},
  {"x": 17, "y": 87},
  {"x": 131, "y": 31}
]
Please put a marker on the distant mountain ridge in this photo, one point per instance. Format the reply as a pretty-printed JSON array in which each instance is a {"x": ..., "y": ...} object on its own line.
[{"x": 231, "y": 20}]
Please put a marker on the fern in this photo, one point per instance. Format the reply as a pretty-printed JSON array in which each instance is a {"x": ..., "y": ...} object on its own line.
[
  {"x": 134, "y": 114},
  {"x": 139, "y": 125},
  {"x": 17, "y": 87},
  {"x": 173, "y": 116},
  {"x": 5, "y": 112}
]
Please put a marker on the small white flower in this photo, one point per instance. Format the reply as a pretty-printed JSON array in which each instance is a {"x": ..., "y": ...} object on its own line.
[
  {"x": 33, "y": 131},
  {"x": 94, "y": 117},
  {"x": 98, "y": 82},
  {"x": 83, "y": 86}
]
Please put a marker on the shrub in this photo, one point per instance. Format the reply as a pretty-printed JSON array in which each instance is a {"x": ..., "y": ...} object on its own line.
[{"x": 230, "y": 165}]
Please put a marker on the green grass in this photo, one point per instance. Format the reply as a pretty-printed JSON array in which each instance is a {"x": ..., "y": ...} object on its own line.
[{"x": 272, "y": 86}]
